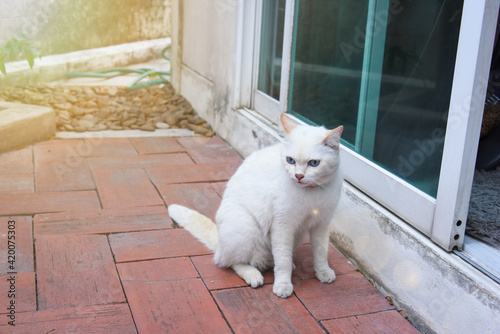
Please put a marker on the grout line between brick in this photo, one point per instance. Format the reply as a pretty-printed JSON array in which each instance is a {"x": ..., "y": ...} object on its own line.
[
  {"x": 156, "y": 188},
  {"x": 212, "y": 296},
  {"x": 33, "y": 240},
  {"x": 164, "y": 257},
  {"x": 318, "y": 321},
  {"x": 135, "y": 148},
  {"x": 186, "y": 150},
  {"x": 361, "y": 314},
  {"x": 121, "y": 283}
]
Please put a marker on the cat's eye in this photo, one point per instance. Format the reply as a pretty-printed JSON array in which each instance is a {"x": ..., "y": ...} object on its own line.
[
  {"x": 290, "y": 160},
  {"x": 313, "y": 163}
]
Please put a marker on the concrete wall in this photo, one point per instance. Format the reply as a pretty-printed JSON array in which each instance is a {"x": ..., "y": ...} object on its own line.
[
  {"x": 440, "y": 292},
  {"x": 61, "y": 26},
  {"x": 206, "y": 70},
  {"x": 203, "y": 54}
]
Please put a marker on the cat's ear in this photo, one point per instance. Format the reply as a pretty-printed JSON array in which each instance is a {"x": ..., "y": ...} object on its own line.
[
  {"x": 287, "y": 123},
  {"x": 332, "y": 138}
]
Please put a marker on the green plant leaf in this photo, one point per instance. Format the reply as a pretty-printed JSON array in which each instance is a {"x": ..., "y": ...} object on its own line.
[
  {"x": 30, "y": 53},
  {"x": 13, "y": 48},
  {"x": 29, "y": 57}
]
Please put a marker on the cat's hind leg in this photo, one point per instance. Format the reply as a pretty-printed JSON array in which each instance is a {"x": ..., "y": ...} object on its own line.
[
  {"x": 251, "y": 275},
  {"x": 242, "y": 244}
]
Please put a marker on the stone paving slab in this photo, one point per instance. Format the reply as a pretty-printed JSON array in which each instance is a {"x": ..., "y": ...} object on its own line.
[
  {"x": 349, "y": 295},
  {"x": 76, "y": 270},
  {"x": 100, "y": 319},
  {"x": 18, "y": 161},
  {"x": 60, "y": 166},
  {"x": 372, "y": 323},
  {"x": 26, "y": 296},
  {"x": 124, "y": 188},
  {"x": 258, "y": 310},
  {"x": 181, "y": 306},
  {"x": 205, "y": 150},
  {"x": 168, "y": 269},
  {"x": 147, "y": 245},
  {"x": 14, "y": 183},
  {"x": 22, "y": 242},
  {"x": 140, "y": 161},
  {"x": 108, "y": 259},
  {"x": 201, "y": 197},
  {"x": 103, "y": 221},
  {"x": 206, "y": 172},
  {"x": 40, "y": 202},
  {"x": 155, "y": 145}
]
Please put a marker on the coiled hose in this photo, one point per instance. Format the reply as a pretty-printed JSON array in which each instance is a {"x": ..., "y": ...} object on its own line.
[{"x": 117, "y": 71}]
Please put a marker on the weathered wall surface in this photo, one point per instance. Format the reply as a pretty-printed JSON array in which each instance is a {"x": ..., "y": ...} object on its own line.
[
  {"x": 61, "y": 26},
  {"x": 203, "y": 54},
  {"x": 439, "y": 291}
]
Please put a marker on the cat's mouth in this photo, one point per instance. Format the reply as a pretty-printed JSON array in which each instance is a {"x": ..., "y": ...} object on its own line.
[{"x": 304, "y": 185}]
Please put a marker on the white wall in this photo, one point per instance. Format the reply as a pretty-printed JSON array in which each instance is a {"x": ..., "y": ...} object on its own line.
[{"x": 203, "y": 67}]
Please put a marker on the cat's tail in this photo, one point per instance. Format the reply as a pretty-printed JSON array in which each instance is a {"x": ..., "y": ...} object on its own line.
[{"x": 201, "y": 227}]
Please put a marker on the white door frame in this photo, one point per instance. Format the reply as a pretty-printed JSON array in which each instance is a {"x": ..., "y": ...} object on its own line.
[
  {"x": 470, "y": 81},
  {"x": 266, "y": 105}
]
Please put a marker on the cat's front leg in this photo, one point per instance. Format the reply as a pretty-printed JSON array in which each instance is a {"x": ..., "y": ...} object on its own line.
[
  {"x": 282, "y": 247},
  {"x": 319, "y": 244}
]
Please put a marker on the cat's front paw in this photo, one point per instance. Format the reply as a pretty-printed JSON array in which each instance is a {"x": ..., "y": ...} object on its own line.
[
  {"x": 254, "y": 279},
  {"x": 283, "y": 290},
  {"x": 326, "y": 276}
]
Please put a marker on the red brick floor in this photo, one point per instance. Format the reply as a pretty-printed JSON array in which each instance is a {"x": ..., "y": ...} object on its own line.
[{"x": 95, "y": 250}]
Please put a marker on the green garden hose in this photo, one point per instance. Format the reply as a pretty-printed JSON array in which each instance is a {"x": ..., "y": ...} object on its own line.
[{"x": 117, "y": 71}]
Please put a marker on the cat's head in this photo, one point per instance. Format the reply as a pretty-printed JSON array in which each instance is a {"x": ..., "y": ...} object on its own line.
[{"x": 310, "y": 155}]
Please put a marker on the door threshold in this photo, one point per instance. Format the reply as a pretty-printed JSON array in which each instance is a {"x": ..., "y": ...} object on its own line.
[{"x": 482, "y": 256}]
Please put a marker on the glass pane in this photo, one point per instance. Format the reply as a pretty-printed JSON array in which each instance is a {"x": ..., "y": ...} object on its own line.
[
  {"x": 327, "y": 62},
  {"x": 387, "y": 78},
  {"x": 271, "y": 47}
]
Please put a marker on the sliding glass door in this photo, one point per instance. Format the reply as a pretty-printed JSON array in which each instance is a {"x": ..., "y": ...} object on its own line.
[
  {"x": 391, "y": 72},
  {"x": 384, "y": 70}
]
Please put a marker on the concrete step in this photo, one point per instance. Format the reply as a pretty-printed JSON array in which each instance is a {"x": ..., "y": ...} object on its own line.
[{"x": 24, "y": 124}]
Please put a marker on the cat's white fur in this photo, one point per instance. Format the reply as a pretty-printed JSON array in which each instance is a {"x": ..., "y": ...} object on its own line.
[{"x": 266, "y": 210}]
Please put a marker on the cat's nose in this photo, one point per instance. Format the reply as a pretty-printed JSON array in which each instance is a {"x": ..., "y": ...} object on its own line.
[{"x": 299, "y": 176}]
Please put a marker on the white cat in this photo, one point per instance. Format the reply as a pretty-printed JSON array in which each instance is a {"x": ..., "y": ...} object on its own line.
[{"x": 275, "y": 197}]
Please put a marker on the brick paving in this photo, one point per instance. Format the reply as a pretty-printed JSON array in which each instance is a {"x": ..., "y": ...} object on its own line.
[{"x": 97, "y": 253}]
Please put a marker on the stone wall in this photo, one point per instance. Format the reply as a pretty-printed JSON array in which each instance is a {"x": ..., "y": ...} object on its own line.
[{"x": 61, "y": 26}]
